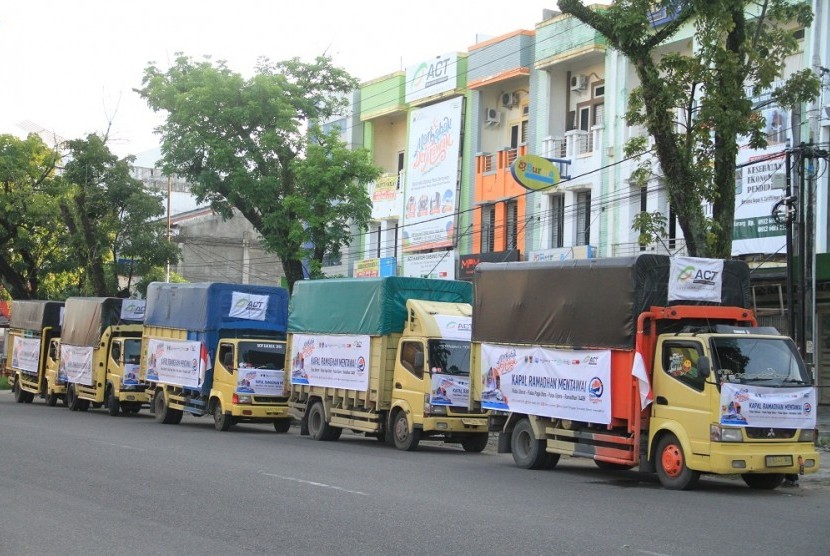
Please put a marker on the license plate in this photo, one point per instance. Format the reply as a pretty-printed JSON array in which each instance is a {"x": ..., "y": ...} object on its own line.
[{"x": 779, "y": 461}]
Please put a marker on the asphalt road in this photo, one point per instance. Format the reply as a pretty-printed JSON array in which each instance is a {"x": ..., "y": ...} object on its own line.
[{"x": 87, "y": 483}]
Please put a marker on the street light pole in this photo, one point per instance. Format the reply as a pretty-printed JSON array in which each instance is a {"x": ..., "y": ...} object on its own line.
[{"x": 169, "y": 190}]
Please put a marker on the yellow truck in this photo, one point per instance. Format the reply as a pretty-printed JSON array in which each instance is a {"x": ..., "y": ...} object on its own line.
[
  {"x": 35, "y": 325},
  {"x": 100, "y": 351},
  {"x": 650, "y": 361},
  {"x": 388, "y": 357},
  {"x": 217, "y": 349}
]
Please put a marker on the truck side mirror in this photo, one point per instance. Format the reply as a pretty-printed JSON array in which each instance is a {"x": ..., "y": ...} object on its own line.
[
  {"x": 419, "y": 360},
  {"x": 704, "y": 367}
]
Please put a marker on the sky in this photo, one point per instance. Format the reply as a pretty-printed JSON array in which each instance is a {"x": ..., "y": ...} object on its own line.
[{"x": 70, "y": 67}]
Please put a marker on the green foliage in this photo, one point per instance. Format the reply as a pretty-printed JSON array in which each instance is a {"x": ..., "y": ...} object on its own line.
[
  {"x": 156, "y": 274},
  {"x": 698, "y": 104},
  {"x": 650, "y": 225},
  {"x": 4, "y": 383},
  {"x": 242, "y": 144}
]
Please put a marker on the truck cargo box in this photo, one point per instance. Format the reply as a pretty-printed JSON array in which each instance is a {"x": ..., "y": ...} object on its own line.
[
  {"x": 88, "y": 317},
  {"x": 36, "y": 315},
  {"x": 580, "y": 303},
  {"x": 368, "y": 306}
]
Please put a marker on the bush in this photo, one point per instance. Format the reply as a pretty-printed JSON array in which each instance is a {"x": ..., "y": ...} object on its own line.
[{"x": 4, "y": 383}]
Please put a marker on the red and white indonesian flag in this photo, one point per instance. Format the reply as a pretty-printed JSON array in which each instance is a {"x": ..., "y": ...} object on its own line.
[{"x": 638, "y": 371}]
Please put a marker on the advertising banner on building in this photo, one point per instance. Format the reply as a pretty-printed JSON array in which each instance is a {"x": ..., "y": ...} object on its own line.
[
  {"x": 439, "y": 264},
  {"x": 76, "y": 364},
  {"x": 760, "y": 406},
  {"x": 332, "y": 361},
  {"x": 561, "y": 254},
  {"x": 467, "y": 264},
  {"x": 450, "y": 390},
  {"x": 387, "y": 197},
  {"x": 25, "y": 354},
  {"x": 432, "y": 176},
  {"x": 178, "y": 362},
  {"x": 367, "y": 268},
  {"x": 431, "y": 77},
  {"x": 564, "y": 384}
]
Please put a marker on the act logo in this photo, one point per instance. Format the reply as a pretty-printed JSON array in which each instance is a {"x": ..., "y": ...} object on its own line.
[
  {"x": 595, "y": 388},
  {"x": 697, "y": 276}
]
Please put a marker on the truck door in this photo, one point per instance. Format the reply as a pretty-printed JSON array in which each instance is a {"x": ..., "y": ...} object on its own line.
[
  {"x": 680, "y": 394},
  {"x": 410, "y": 384},
  {"x": 224, "y": 378}
]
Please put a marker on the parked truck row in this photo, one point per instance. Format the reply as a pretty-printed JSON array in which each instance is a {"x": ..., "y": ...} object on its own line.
[{"x": 649, "y": 362}]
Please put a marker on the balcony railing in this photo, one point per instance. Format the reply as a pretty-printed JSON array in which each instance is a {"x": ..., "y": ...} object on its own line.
[{"x": 662, "y": 247}]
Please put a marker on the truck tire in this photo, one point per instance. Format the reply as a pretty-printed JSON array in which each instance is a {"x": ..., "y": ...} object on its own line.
[
  {"x": 18, "y": 393},
  {"x": 113, "y": 405},
  {"x": 72, "y": 401},
  {"x": 334, "y": 433},
  {"x": 405, "y": 440},
  {"x": 476, "y": 443},
  {"x": 318, "y": 428},
  {"x": 51, "y": 399},
  {"x": 763, "y": 481},
  {"x": 528, "y": 452},
  {"x": 83, "y": 405},
  {"x": 282, "y": 425},
  {"x": 221, "y": 421},
  {"x": 28, "y": 397},
  {"x": 671, "y": 465},
  {"x": 164, "y": 414}
]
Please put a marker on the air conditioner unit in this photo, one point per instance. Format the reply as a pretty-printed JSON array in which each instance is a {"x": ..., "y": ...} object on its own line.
[
  {"x": 509, "y": 100},
  {"x": 492, "y": 116},
  {"x": 579, "y": 82}
]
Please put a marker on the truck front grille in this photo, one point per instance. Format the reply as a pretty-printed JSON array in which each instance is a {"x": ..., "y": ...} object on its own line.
[
  {"x": 768, "y": 433},
  {"x": 269, "y": 399}
]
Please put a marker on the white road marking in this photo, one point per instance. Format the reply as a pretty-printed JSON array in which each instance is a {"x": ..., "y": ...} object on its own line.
[
  {"x": 314, "y": 483},
  {"x": 118, "y": 445}
]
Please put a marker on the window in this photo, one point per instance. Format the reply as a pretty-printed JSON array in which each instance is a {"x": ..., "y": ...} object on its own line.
[
  {"x": 557, "y": 220},
  {"x": 512, "y": 209},
  {"x": 680, "y": 362},
  {"x": 412, "y": 358},
  {"x": 226, "y": 357},
  {"x": 583, "y": 218},
  {"x": 488, "y": 228}
]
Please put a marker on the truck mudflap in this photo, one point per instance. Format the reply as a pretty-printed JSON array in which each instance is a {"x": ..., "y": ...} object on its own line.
[{"x": 724, "y": 458}]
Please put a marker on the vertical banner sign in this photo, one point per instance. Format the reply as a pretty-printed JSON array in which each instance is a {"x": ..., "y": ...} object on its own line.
[
  {"x": 762, "y": 406},
  {"x": 25, "y": 354},
  {"x": 432, "y": 176},
  {"x": 130, "y": 377},
  {"x": 177, "y": 362},
  {"x": 248, "y": 306},
  {"x": 758, "y": 176},
  {"x": 564, "y": 384},
  {"x": 450, "y": 390},
  {"x": 133, "y": 309},
  {"x": 330, "y": 361},
  {"x": 76, "y": 364},
  {"x": 695, "y": 279}
]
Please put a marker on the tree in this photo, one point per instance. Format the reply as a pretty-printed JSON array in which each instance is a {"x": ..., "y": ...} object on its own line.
[
  {"x": 241, "y": 143},
  {"x": 113, "y": 222},
  {"x": 32, "y": 246},
  {"x": 697, "y": 105}
]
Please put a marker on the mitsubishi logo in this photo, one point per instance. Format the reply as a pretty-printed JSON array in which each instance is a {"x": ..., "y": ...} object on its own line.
[{"x": 771, "y": 433}]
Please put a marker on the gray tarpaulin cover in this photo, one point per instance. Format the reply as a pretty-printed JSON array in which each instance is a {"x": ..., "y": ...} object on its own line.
[
  {"x": 36, "y": 315},
  {"x": 86, "y": 318},
  {"x": 580, "y": 303},
  {"x": 372, "y": 306}
]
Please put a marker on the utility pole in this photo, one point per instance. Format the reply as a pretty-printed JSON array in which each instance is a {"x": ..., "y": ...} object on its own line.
[{"x": 169, "y": 222}]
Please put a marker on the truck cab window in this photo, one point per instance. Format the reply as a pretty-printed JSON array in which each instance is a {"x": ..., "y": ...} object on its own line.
[
  {"x": 226, "y": 357},
  {"x": 409, "y": 355},
  {"x": 680, "y": 362}
]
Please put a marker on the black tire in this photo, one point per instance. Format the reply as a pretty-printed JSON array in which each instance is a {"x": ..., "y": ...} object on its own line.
[
  {"x": 318, "y": 428},
  {"x": 72, "y": 401},
  {"x": 334, "y": 433},
  {"x": 528, "y": 452},
  {"x": 763, "y": 481},
  {"x": 405, "y": 440},
  {"x": 476, "y": 443},
  {"x": 164, "y": 414},
  {"x": 83, "y": 405},
  {"x": 18, "y": 393},
  {"x": 221, "y": 421},
  {"x": 672, "y": 470},
  {"x": 113, "y": 405},
  {"x": 28, "y": 397},
  {"x": 282, "y": 425},
  {"x": 51, "y": 399},
  {"x": 609, "y": 466}
]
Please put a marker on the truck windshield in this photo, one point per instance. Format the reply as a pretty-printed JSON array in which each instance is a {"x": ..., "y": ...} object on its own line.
[
  {"x": 450, "y": 357},
  {"x": 261, "y": 355},
  {"x": 132, "y": 351},
  {"x": 761, "y": 361}
]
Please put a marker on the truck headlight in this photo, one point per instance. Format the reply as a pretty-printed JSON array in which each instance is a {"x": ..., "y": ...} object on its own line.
[
  {"x": 718, "y": 433},
  {"x": 438, "y": 410},
  {"x": 241, "y": 398},
  {"x": 807, "y": 435}
]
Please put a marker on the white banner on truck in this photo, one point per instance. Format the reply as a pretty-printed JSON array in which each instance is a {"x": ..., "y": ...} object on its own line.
[
  {"x": 260, "y": 382},
  {"x": 248, "y": 306},
  {"x": 177, "y": 362},
  {"x": 133, "y": 309},
  {"x": 25, "y": 354},
  {"x": 564, "y": 384},
  {"x": 130, "y": 377},
  {"x": 330, "y": 361},
  {"x": 762, "y": 406},
  {"x": 450, "y": 390},
  {"x": 695, "y": 279},
  {"x": 454, "y": 327},
  {"x": 76, "y": 364}
]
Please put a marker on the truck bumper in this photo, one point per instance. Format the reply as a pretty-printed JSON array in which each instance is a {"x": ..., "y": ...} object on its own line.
[
  {"x": 456, "y": 424},
  {"x": 134, "y": 397},
  {"x": 728, "y": 458},
  {"x": 260, "y": 412}
]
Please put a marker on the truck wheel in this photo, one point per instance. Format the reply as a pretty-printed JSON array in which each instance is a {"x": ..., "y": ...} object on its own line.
[
  {"x": 221, "y": 420},
  {"x": 671, "y": 465},
  {"x": 113, "y": 405},
  {"x": 405, "y": 440},
  {"x": 334, "y": 433},
  {"x": 51, "y": 399},
  {"x": 528, "y": 452},
  {"x": 282, "y": 425},
  {"x": 18, "y": 393},
  {"x": 83, "y": 405},
  {"x": 164, "y": 414},
  {"x": 763, "y": 481},
  {"x": 475, "y": 443},
  {"x": 28, "y": 397},
  {"x": 72, "y": 400},
  {"x": 318, "y": 429}
]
